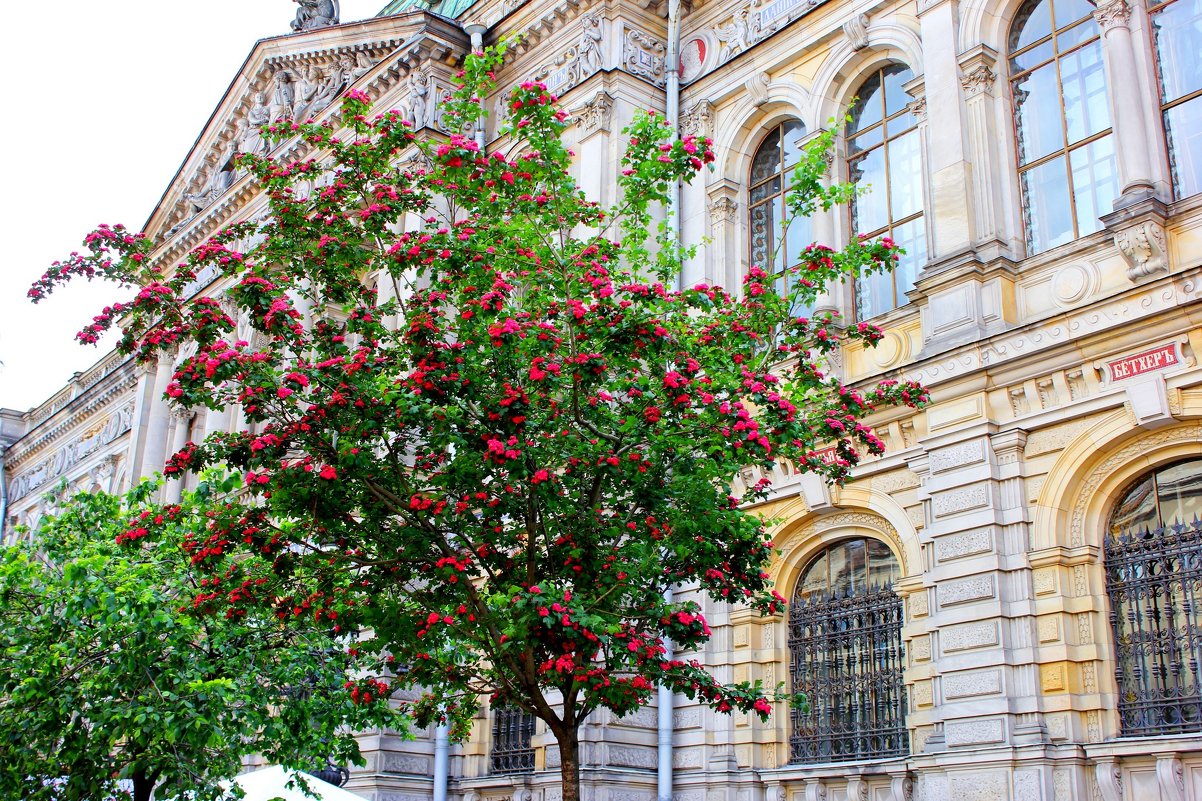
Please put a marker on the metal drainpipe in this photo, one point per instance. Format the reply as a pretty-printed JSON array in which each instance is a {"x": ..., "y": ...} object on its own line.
[
  {"x": 3, "y": 495},
  {"x": 666, "y": 701},
  {"x": 441, "y": 761},
  {"x": 476, "y": 31}
]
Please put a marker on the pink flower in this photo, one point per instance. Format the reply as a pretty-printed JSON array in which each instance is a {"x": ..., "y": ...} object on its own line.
[{"x": 329, "y": 473}]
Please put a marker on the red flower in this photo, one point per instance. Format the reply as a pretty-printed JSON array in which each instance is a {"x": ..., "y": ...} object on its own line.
[{"x": 328, "y": 472}]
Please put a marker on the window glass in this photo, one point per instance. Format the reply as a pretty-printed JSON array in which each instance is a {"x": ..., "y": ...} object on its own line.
[
  {"x": 1062, "y": 122},
  {"x": 885, "y": 162},
  {"x": 1177, "y": 29},
  {"x": 773, "y": 249}
]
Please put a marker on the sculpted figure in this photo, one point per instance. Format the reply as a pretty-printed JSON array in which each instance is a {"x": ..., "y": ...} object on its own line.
[
  {"x": 314, "y": 14},
  {"x": 590, "y": 46},
  {"x": 363, "y": 65},
  {"x": 307, "y": 88},
  {"x": 283, "y": 95},
  {"x": 735, "y": 35},
  {"x": 418, "y": 101},
  {"x": 252, "y": 140}
]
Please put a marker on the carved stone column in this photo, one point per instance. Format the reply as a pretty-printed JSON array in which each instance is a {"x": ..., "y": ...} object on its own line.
[
  {"x": 1127, "y": 103},
  {"x": 823, "y": 229},
  {"x": 949, "y": 209},
  {"x": 182, "y": 433},
  {"x": 151, "y": 421},
  {"x": 723, "y": 263},
  {"x": 978, "y": 81},
  {"x": 697, "y": 120}
]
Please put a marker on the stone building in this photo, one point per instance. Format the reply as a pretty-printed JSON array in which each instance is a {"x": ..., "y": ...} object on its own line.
[{"x": 1004, "y": 606}]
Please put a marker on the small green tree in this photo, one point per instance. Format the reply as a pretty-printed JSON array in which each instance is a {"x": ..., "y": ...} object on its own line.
[
  {"x": 105, "y": 673},
  {"x": 498, "y": 462}
]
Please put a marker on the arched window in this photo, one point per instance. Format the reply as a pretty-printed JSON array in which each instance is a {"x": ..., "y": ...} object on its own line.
[
  {"x": 1154, "y": 579},
  {"x": 1066, "y": 160},
  {"x": 512, "y": 751},
  {"x": 774, "y": 248},
  {"x": 1177, "y": 27},
  {"x": 846, "y": 656},
  {"x": 884, "y": 158}
]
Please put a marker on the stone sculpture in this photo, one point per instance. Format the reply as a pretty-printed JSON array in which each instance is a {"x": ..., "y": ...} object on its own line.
[{"x": 314, "y": 14}]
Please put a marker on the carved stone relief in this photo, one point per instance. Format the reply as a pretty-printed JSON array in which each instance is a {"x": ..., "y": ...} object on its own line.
[
  {"x": 856, "y": 31},
  {"x": 643, "y": 56},
  {"x": 69, "y": 455},
  {"x": 1144, "y": 247}
]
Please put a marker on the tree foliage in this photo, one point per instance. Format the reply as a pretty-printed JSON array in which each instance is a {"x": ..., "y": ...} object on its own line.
[
  {"x": 104, "y": 677},
  {"x": 484, "y": 424}
]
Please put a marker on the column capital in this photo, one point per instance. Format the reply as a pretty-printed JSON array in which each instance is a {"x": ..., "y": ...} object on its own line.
[
  {"x": 1112, "y": 14},
  {"x": 978, "y": 71}
]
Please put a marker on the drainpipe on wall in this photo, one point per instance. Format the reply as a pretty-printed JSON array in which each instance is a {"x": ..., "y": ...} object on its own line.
[
  {"x": 3, "y": 494},
  {"x": 441, "y": 761},
  {"x": 476, "y": 31},
  {"x": 665, "y": 723}
]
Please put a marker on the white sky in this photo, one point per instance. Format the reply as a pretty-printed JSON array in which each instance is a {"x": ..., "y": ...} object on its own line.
[{"x": 106, "y": 99}]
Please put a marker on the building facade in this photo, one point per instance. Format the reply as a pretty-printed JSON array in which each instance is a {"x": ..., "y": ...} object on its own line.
[{"x": 1008, "y": 603}]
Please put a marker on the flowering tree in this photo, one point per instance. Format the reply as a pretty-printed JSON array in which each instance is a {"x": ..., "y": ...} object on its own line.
[
  {"x": 104, "y": 678},
  {"x": 489, "y": 442}
]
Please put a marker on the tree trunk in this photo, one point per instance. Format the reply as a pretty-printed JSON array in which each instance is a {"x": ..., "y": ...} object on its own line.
[
  {"x": 569, "y": 762},
  {"x": 143, "y": 786}
]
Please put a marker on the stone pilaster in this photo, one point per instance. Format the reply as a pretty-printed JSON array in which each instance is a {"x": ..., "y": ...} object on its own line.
[
  {"x": 151, "y": 418},
  {"x": 181, "y": 433},
  {"x": 1128, "y": 105}
]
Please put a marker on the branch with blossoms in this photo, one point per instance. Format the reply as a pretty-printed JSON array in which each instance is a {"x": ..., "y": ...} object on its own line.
[{"x": 489, "y": 470}]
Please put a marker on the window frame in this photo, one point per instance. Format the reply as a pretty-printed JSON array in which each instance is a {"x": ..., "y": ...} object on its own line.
[
  {"x": 780, "y": 234},
  {"x": 1165, "y": 107},
  {"x": 1066, "y": 149}
]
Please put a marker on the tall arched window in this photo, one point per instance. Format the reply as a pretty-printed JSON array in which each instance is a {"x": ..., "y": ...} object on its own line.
[
  {"x": 1154, "y": 579},
  {"x": 846, "y": 656},
  {"x": 884, "y": 158},
  {"x": 1177, "y": 27},
  {"x": 774, "y": 248},
  {"x": 1066, "y": 160}
]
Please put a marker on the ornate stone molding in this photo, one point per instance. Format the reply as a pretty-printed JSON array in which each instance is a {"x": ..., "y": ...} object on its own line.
[
  {"x": 977, "y": 81},
  {"x": 1110, "y": 779},
  {"x": 1140, "y": 237},
  {"x": 1112, "y": 14},
  {"x": 856, "y": 31},
  {"x": 723, "y": 209},
  {"x": 596, "y": 114},
  {"x": 643, "y": 56},
  {"x": 698, "y": 120}
]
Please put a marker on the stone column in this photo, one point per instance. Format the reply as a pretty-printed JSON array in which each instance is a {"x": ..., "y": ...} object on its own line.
[
  {"x": 694, "y": 210},
  {"x": 152, "y": 420},
  {"x": 1127, "y": 110},
  {"x": 824, "y": 231},
  {"x": 949, "y": 209},
  {"x": 180, "y": 436},
  {"x": 978, "y": 79},
  {"x": 723, "y": 264}
]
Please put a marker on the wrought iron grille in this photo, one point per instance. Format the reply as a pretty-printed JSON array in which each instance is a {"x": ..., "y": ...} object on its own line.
[
  {"x": 1154, "y": 580},
  {"x": 846, "y": 656},
  {"x": 511, "y": 732}
]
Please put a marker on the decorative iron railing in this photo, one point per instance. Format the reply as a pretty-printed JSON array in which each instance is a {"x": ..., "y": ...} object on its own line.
[
  {"x": 1154, "y": 580},
  {"x": 846, "y": 656},
  {"x": 511, "y": 732}
]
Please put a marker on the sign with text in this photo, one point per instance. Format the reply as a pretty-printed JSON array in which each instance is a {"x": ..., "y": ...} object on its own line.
[{"x": 1147, "y": 362}]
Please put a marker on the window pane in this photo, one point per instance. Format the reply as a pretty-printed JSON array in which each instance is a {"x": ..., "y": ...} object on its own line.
[
  {"x": 867, "y": 140},
  {"x": 1095, "y": 183},
  {"x": 1178, "y": 30},
  {"x": 840, "y": 568},
  {"x": 1037, "y": 104},
  {"x": 1067, "y": 12},
  {"x": 762, "y": 235},
  {"x": 855, "y": 579},
  {"x": 1031, "y": 24},
  {"x": 1078, "y": 34},
  {"x": 815, "y": 579},
  {"x": 882, "y": 567},
  {"x": 874, "y": 295},
  {"x": 870, "y": 211},
  {"x": 778, "y": 214},
  {"x": 867, "y": 109},
  {"x": 896, "y": 98},
  {"x": 905, "y": 176},
  {"x": 791, "y": 132},
  {"x": 1033, "y": 57},
  {"x": 1086, "y": 108},
  {"x": 767, "y": 158},
  {"x": 798, "y": 238},
  {"x": 1047, "y": 211},
  {"x": 765, "y": 190},
  {"x": 911, "y": 236},
  {"x": 1179, "y": 491},
  {"x": 1183, "y": 126},
  {"x": 1137, "y": 511}
]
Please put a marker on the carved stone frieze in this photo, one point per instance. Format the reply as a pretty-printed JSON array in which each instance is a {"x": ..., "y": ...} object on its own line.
[
  {"x": 72, "y": 453},
  {"x": 723, "y": 210},
  {"x": 978, "y": 80},
  {"x": 643, "y": 56}
]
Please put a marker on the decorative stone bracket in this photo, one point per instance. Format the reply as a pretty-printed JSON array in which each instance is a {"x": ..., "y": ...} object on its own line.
[{"x": 1139, "y": 235}]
